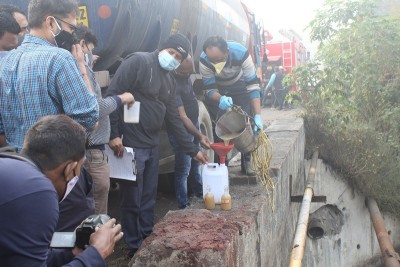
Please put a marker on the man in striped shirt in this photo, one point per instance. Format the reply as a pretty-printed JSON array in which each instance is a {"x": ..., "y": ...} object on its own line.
[
  {"x": 96, "y": 162},
  {"x": 229, "y": 76}
]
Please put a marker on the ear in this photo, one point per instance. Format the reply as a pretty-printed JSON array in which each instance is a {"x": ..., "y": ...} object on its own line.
[{"x": 69, "y": 170}]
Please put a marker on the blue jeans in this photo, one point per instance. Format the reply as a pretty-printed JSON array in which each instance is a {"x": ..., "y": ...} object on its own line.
[
  {"x": 183, "y": 166},
  {"x": 138, "y": 198}
]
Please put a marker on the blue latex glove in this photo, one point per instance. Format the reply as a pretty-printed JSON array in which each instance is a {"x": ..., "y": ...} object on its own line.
[
  {"x": 258, "y": 123},
  {"x": 225, "y": 102}
]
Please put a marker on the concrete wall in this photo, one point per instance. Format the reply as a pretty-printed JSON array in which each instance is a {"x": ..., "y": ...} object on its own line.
[
  {"x": 256, "y": 237},
  {"x": 251, "y": 234},
  {"x": 356, "y": 244}
]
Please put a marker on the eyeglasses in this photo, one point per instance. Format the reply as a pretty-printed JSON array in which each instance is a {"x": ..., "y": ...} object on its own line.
[{"x": 71, "y": 26}]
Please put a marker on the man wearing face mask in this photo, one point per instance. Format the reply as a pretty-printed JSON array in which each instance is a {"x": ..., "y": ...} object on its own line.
[
  {"x": 31, "y": 185},
  {"x": 96, "y": 159},
  {"x": 48, "y": 79},
  {"x": 229, "y": 76},
  {"x": 147, "y": 76}
]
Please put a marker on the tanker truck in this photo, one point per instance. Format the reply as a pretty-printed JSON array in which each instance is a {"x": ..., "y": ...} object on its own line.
[{"x": 127, "y": 26}]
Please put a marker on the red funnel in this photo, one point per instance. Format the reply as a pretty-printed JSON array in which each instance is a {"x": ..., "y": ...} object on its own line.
[{"x": 222, "y": 150}]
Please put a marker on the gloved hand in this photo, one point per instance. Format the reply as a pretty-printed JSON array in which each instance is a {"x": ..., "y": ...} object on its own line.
[
  {"x": 225, "y": 102},
  {"x": 258, "y": 123}
]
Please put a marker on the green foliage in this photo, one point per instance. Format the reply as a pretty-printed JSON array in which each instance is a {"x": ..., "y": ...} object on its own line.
[{"x": 351, "y": 95}]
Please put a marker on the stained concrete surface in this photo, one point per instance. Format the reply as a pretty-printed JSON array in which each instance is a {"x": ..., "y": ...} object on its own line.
[{"x": 166, "y": 198}]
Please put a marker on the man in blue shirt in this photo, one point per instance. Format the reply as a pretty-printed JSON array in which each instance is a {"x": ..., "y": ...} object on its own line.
[
  {"x": 32, "y": 185},
  {"x": 39, "y": 78},
  {"x": 229, "y": 76},
  {"x": 279, "y": 91}
]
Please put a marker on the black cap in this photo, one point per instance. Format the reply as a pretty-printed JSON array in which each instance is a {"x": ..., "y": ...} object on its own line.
[{"x": 179, "y": 42}]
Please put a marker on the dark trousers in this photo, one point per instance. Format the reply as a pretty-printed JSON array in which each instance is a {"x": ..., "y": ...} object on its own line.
[
  {"x": 240, "y": 97},
  {"x": 280, "y": 95},
  {"x": 138, "y": 199}
]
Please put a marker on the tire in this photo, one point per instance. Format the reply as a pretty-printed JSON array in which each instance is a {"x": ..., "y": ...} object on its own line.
[{"x": 206, "y": 128}]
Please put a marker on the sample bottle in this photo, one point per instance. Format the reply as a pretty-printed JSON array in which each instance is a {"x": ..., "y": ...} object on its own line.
[
  {"x": 226, "y": 200},
  {"x": 209, "y": 201}
]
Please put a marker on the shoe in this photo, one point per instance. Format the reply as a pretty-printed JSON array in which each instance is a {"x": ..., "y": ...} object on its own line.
[{"x": 247, "y": 168}]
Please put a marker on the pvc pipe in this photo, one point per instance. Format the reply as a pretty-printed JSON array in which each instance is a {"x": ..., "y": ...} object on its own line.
[
  {"x": 389, "y": 255},
  {"x": 297, "y": 253}
]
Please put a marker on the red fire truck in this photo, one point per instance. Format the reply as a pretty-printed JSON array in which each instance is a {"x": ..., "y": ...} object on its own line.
[{"x": 288, "y": 53}]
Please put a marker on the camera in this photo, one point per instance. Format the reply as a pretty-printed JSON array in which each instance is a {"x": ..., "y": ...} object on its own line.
[{"x": 87, "y": 227}]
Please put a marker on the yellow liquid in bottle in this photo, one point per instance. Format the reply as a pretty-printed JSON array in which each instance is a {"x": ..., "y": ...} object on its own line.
[
  {"x": 209, "y": 201},
  {"x": 226, "y": 202}
]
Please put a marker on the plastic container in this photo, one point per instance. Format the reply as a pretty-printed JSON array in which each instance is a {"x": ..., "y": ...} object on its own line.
[
  {"x": 132, "y": 115},
  {"x": 215, "y": 178}
]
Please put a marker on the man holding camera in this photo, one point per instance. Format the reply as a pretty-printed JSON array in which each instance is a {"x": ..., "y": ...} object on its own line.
[{"x": 31, "y": 186}]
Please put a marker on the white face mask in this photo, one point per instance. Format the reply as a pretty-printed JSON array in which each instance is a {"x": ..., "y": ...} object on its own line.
[{"x": 70, "y": 185}]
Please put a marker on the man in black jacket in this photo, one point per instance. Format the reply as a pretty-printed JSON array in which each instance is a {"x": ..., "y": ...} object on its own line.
[{"x": 147, "y": 76}]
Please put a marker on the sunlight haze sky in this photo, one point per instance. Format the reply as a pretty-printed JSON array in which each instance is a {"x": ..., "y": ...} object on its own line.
[{"x": 286, "y": 14}]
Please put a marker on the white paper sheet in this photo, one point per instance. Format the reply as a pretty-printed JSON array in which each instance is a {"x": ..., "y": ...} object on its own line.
[{"x": 122, "y": 168}]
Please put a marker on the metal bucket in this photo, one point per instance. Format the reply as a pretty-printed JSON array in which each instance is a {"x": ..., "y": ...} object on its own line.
[{"x": 236, "y": 127}]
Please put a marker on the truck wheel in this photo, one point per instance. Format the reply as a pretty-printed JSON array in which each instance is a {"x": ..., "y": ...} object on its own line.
[{"x": 206, "y": 128}]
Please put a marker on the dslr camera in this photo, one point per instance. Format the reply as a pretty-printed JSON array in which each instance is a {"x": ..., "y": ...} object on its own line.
[
  {"x": 80, "y": 238},
  {"x": 87, "y": 227}
]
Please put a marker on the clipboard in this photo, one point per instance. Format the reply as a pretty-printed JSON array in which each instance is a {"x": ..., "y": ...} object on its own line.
[{"x": 122, "y": 168}]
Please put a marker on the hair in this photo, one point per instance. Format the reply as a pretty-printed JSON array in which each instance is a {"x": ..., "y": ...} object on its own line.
[
  {"x": 38, "y": 10},
  {"x": 276, "y": 69},
  {"x": 216, "y": 41},
  {"x": 11, "y": 9},
  {"x": 53, "y": 140},
  {"x": 8, "y": 24},
  {"x": 84, "y": 33}
]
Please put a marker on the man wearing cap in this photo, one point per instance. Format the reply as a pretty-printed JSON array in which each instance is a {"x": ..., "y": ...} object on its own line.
[{"x": 147, "y": 76}]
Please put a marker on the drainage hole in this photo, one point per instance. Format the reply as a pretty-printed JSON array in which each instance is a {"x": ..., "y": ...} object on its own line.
[{"x": 358, "y": 246}]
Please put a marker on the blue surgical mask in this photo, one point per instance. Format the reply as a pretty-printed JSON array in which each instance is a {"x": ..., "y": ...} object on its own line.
[{"x": 167, "y": 61}]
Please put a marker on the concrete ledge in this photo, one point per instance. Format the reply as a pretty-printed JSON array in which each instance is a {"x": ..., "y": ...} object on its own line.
[{"x": 248, "y": 235}]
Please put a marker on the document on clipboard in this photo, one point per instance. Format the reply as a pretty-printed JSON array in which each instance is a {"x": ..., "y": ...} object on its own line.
[{"x": 122, "y": 168}]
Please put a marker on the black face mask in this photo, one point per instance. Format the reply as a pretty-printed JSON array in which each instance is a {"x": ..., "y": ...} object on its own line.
[{"x": 65, "y": 39}]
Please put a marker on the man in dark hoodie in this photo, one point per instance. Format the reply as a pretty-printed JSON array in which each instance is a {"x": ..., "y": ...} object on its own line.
[{"x": 147, "y": 76}]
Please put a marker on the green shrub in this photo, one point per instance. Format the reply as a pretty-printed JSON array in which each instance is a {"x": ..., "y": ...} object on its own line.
[{"x": 351, "y": 94}]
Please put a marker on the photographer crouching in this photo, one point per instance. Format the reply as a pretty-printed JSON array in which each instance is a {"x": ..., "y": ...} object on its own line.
[{"x": 31, "y": 186}]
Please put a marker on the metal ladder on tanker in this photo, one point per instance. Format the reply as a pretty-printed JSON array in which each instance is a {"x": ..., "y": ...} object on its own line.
[{"x": 287, "y": 55}]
